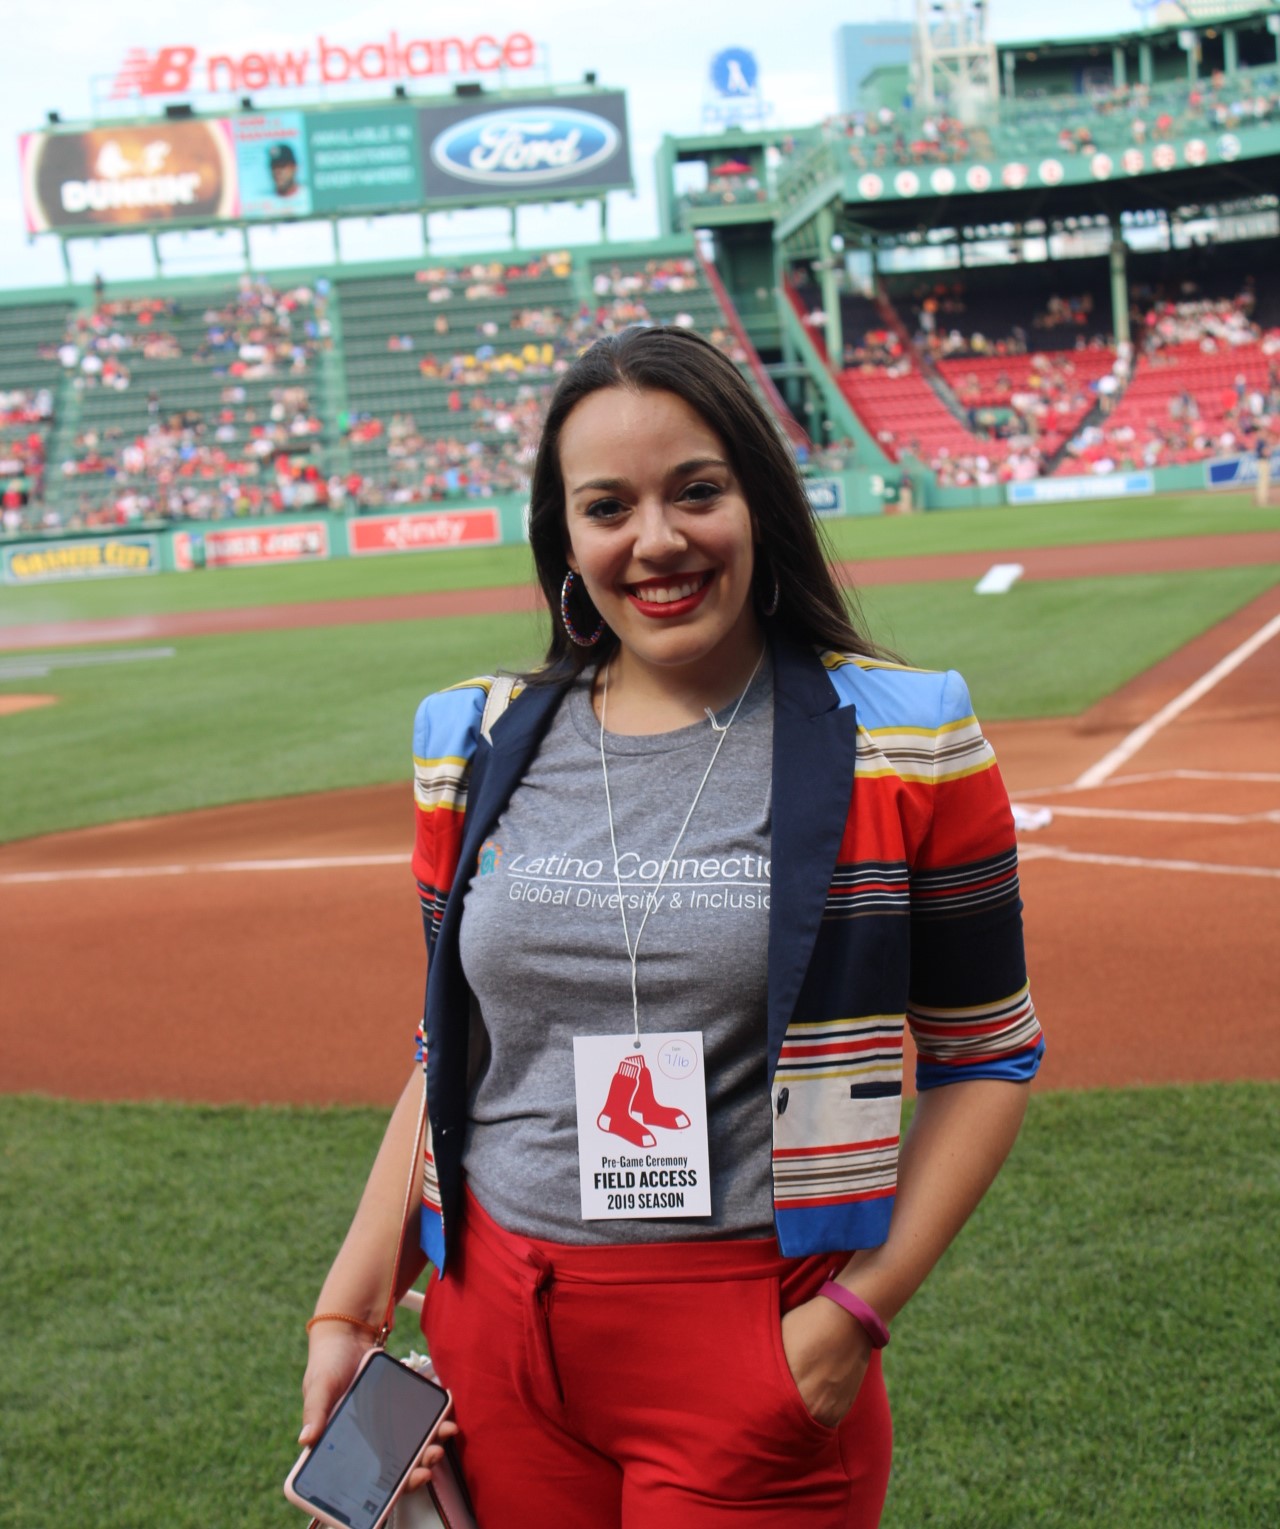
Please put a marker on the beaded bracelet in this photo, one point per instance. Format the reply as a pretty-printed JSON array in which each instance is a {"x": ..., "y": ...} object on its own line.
[
  {"x": 866, "y": 1317},
  {"x": 341, "y": 1316}
]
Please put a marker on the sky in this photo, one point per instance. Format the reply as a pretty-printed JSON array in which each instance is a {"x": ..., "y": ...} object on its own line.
[{"x": 54, "y": 50}]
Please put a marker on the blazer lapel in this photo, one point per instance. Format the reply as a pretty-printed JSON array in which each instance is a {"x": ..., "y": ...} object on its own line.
[{"x": 814, "y": 751}]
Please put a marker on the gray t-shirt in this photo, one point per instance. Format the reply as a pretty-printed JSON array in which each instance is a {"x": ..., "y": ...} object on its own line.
[{"x": 542, "y": 948}]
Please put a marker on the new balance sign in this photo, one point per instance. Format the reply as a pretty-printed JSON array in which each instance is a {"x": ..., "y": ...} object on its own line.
[{"x": 181, "y": 71}]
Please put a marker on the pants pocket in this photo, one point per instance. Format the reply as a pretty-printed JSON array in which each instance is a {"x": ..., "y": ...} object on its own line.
[{"x": 791, "y": 1403}]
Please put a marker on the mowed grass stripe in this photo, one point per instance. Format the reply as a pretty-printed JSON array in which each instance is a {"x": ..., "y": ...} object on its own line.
[
  {"x": 865, "y": 538},
  {"x": 161, "y": 1260},
  {"x": 251, "y": 716}
]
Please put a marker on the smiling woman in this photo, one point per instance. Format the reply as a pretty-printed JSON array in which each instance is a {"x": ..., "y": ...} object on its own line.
[
  {"x": 660, "y": 533},
  {"x": 662, "y": 1190}
]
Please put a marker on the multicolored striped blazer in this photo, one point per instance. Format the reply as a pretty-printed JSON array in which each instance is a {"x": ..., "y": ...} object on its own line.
[{"x": 894, "y": 902}]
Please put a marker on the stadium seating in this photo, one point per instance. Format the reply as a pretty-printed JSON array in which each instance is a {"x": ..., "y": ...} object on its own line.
[
  {"x": 888, "y": 384},
  {"x": 29, "y": 375},
  {"x": 444, "y": 368},
  {"x": 189, "y": 408},
  {"x": 245, "y": 399},
  {"x": 448, "y": 370},
  {"x": 1030, "y": 128},
  {"x": 1047, "y": 393}
]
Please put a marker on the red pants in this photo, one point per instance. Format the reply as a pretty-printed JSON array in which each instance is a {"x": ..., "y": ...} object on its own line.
[{"x": 631, "y": 1387}]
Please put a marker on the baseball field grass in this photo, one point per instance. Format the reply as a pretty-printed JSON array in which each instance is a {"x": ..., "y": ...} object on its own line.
[{"x": 1097, "y": 1348}]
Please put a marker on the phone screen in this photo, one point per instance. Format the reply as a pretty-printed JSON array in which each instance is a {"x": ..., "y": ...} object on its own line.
[{"x": 370, "y": 1442}]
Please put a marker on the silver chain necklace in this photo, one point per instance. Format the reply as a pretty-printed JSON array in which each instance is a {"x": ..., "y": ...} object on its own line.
[{"x": 722, "y": 733}]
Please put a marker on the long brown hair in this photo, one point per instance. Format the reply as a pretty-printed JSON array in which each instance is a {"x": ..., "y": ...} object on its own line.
[{"x": 811, "y": 605}]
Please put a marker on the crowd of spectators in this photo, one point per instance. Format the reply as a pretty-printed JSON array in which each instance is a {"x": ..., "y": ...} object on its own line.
[
  {"x": 1125, "y": 446},
  {"x": 1159, "y": 113},
  {"x": 257, "y": 332},
  {"x": 192, "y": 463},
  {"x": 945, "y": 326},
  {"x": 25, "y": 415},
  {"x": 730, "y": 190},
  {"x": 499, "y": 386},
  {"x": 1209, "y": 385},
  {"x": 1108, "y": 118},
  {"x": 1044, "y": 397},
  {"x": 1187, "y": 317},
  {"x": 881, "y": 139},
  {"x": 491, "y": 278}
]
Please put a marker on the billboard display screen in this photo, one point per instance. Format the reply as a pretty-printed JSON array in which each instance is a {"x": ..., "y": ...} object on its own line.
[
  {"x": 362, "y": 159},
  {"x": 473, "y": 152},
  {"x": 133, "y": 176},
  {"x": 271, "y": 165},
  {"x": 324, "y": 162}
]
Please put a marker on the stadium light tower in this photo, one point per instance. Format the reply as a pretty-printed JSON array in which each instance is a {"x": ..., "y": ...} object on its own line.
[{"x": 955, "y": 61}]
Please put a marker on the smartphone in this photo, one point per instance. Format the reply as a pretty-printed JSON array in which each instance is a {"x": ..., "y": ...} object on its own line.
[{"x": 353, "y": 1473}]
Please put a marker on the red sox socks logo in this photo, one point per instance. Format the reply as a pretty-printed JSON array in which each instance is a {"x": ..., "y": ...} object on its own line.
[{"x": 631, "y": 1106}]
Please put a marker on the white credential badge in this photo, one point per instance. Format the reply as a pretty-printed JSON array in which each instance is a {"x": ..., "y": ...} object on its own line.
[
  {"x": 642, "y": 1099},
  {"x": 642, "y": 1126}
]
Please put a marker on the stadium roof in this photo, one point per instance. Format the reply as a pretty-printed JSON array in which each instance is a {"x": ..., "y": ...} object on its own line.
[{"x": 1136, "y": 34}]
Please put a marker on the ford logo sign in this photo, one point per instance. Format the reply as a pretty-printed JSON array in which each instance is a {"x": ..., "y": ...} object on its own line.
[{"x": 525, "y": 146}]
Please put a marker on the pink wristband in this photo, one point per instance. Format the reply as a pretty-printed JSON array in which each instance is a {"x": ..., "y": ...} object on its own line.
[{"x": 858, "y": 1309}]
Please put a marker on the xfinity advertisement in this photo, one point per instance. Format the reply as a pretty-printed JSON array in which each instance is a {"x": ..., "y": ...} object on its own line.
[{"x": 472, "y": 152}]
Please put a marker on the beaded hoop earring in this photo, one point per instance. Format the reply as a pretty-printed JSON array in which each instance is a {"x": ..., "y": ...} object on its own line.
[{"x": 575, "y": 636}]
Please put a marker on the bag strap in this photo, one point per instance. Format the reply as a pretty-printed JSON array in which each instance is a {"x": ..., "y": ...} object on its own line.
[
  {"x": 388, "y": 1316},
  {"x": 501, "y": 694}
]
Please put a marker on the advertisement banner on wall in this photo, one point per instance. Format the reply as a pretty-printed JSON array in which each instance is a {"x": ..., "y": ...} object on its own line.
[
  {"x": 427, "y": 531},
  {"x": 271, "y": 162},
  {"x": 124, "y": 177},
  {"x": 102, "y": 557},
  {"x": 1237, "y": 472},
  {"x": 241, "y": 546},
  {"x": 826, "y": 495},
  {"x": 1065, "y": 490},
  {"x": 557, "y": 144},
  {"x": 362, "y": 159}
]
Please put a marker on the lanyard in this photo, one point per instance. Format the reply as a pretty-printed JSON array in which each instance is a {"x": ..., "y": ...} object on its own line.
[{"x": 633, "y": 949}]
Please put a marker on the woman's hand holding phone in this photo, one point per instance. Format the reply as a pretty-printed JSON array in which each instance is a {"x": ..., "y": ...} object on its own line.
[
  {"x": 828, "y": 1354},
  {"x": 336, "y": 1350}
]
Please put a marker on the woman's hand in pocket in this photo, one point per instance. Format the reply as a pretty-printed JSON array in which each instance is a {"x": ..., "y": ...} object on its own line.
[{"x": 828, "y": 1353}]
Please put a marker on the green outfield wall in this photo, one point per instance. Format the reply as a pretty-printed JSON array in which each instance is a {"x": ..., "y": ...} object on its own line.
[{"x": 311, "y": 536}]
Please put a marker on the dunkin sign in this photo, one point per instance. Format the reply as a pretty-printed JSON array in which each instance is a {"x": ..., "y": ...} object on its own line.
[{"x": 129, "y": 175}]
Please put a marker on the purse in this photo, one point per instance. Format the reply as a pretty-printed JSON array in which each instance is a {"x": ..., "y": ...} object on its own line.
[{"x": 443, "y": 1503}]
